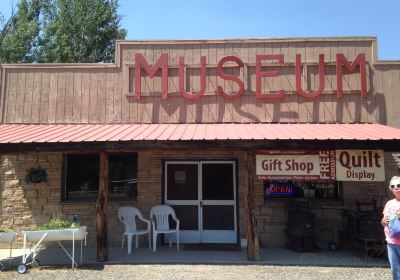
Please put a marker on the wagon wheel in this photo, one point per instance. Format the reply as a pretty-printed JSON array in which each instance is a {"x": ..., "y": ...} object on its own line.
[
  {"x": 22, "y": 269},
  {"x": 35, "y": 263}
]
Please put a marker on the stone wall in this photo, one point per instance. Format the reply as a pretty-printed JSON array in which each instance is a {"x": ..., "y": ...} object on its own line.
[
  {"x": 25, "y": 205},
  {"x": 272, "y": 214}
]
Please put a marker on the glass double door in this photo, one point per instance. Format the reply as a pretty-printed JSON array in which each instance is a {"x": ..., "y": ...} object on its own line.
[{"x": 203, "y": 194}]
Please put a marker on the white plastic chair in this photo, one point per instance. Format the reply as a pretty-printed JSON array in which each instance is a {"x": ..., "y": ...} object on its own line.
[
  {"x": 127, "y": 215},
  {"x": 160, "y": 224}
]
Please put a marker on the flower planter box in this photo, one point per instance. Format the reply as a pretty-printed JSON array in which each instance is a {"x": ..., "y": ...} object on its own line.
[
  {"x": 55, "y": 234},
  {"x": 7, "y": 237},
  {"x": 39, "y": 236}
]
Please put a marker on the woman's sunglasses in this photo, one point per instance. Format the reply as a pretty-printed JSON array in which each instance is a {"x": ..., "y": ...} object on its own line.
[{"x": 395, "y": 186}]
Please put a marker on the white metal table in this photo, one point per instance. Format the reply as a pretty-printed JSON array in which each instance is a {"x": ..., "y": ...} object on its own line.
[{"x": 39, "y": 236}]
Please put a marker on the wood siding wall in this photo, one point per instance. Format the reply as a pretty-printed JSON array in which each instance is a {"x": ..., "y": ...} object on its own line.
[{"x": 85, "y": 94}]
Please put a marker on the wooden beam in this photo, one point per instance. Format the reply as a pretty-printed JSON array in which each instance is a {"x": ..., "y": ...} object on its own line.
[
  {"x": 253, "y": 243},
  {"x": 101, "y": 209}
]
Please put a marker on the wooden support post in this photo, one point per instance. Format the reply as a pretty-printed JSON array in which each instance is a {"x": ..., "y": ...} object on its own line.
[
  {"x": 101, "y": 209},
  {"x": 253, "y": 243}
]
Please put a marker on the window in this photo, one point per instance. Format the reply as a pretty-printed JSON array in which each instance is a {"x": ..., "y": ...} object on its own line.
[
  {"x": 306, "y": 189},
  {"x": 122, "y": 175},
  {"x": 82, "y": 175}
]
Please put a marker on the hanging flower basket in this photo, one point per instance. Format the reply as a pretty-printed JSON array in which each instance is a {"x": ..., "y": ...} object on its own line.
[{"x": 36, "y": 175}]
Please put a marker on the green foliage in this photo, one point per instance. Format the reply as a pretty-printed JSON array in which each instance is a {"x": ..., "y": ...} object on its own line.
[
  {"x": 1, "y": 20},
  {"x": 21, "y": 42},
  {"x": 54, "y": 224},
  {"x": 36, "y": 175},
  {"x": 63, "y": 31}
]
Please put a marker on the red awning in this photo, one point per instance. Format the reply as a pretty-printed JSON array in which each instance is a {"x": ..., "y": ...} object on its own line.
[{"x": 65, "y": 133}]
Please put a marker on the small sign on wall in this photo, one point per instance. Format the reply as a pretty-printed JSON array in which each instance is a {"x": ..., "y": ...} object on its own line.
[
  {"x": 360, "y": 165},
  {"x": 340, "y": 165},
  {"x": 279, "y": 189},
  {"x": 295, "y": 165}
]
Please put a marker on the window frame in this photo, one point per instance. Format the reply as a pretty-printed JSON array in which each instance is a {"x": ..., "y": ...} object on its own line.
[
  {"x": 123, "y": 198},
  {"x": 64, "y": 175}
]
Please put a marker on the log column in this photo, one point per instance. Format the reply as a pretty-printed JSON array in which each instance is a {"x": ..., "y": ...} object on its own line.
[
  {"x": 253, "y": 243},
  {"x": 101, "y": 210}
]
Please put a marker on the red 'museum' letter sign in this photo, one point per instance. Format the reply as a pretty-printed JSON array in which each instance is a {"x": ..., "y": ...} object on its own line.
[
  {"x": 203, "y": 73},
  {"x": 260, "y": 74},
  {"x": 221, "y": 73},
  {"x": 162, "y": 62},
  {"x": 342, "y": 61},
  {"x": 321, "y": 70}
]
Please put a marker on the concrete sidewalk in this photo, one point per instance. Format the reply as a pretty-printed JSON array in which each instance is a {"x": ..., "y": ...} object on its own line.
[{"x": 167, "y": 255}]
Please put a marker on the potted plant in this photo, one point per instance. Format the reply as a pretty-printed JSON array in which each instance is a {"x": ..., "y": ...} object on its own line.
[
  {"x": 36, "y": 175},
  {"x": 56, "y": 229}
]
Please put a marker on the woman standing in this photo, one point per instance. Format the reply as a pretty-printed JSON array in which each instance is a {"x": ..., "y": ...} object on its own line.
[{"x": 393, "y": 243}]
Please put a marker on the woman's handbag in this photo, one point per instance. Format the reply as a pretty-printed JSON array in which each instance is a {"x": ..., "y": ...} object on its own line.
[{"x": 394, "y": 226}]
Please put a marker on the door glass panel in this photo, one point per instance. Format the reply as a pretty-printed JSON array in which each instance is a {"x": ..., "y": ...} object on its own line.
[
  {"x": 188, "y": 217},
  {"x": 217, "y": 181},
  {"x": 182, "y": 182},
  {"x": 218, "y": 217}
]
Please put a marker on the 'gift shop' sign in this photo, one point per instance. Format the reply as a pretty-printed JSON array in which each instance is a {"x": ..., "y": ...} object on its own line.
[
  {"x": 295, "y": 165},
  {"x": 340, "y": 165}
]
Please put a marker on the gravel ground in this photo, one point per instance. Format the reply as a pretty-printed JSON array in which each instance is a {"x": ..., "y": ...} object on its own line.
[{"x": 198, "y": 272}]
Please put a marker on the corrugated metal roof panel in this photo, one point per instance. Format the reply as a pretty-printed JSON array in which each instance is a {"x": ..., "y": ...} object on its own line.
[{"x": 53, "y": 133}]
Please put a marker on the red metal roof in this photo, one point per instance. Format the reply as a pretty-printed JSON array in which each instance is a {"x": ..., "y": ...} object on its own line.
[{"x": 64, "y": 133}]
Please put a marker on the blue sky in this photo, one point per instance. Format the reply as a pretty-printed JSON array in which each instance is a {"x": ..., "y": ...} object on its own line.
[{"x": 208, "y": 19}]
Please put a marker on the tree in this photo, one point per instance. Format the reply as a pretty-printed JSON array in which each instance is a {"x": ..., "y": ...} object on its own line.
[
  {"x": 19, "y": 42},
  {"x": 67, "y": 31}
]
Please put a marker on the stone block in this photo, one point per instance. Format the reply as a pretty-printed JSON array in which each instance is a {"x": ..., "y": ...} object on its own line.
[
  {"x": 7, "y": 193},
  {"x": 18, "y": 221},
  {"x": 54, "y": 157},
  {"x": 266, "y": 211},
  {"x": 18, "y": 193},
  {"x": 279, "y": 211},
  {"x": 273, "y": 240},
  {"x": 12, "y": 183},
  {"x": 26, "y": 157},
  {"x": 278, "y": 219},
  {"x": 259, "y": 200},
  {"x": 40, "y": 219},
  {"x": 51, "y": 208},
  {"x": 43, "y": 193},
  {"x": 31, "y": 193}
]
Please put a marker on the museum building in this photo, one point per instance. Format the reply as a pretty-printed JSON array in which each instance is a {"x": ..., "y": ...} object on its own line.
[{"x": 234, "y": 134}]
